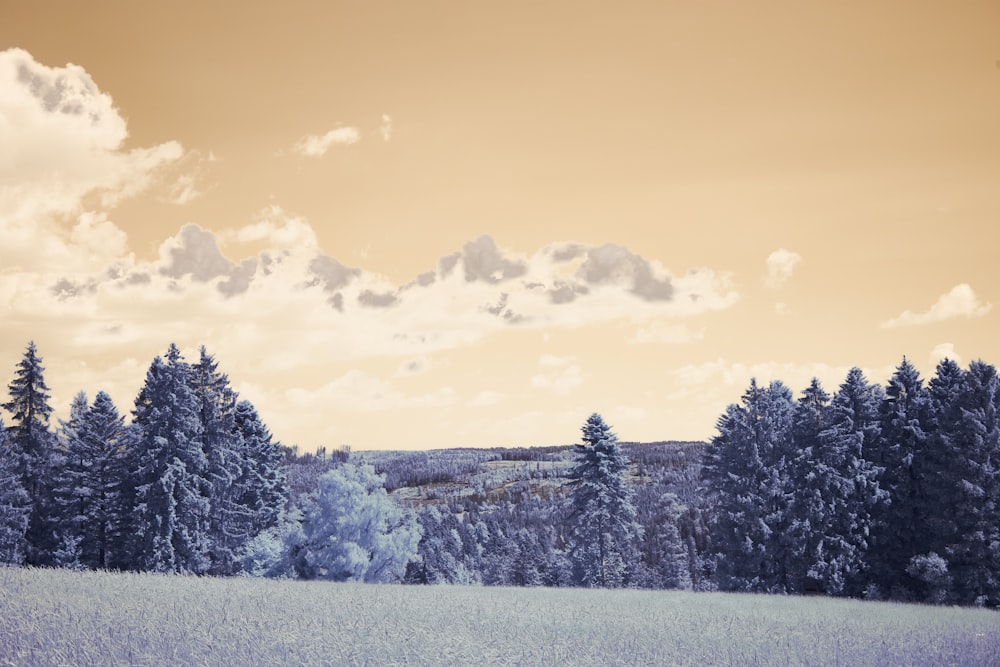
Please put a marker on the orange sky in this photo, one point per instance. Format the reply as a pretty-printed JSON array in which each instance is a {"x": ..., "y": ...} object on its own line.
[{"x": 411, "y": 225}]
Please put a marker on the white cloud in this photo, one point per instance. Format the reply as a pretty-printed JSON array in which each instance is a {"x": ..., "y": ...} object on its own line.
[
  {"x": 62, "y": 140},
  {"x": 317, "y": 145},
  {"x": 561, "y": 382},
  {"x": 961, "y": 301},
  {"x": 485, "y": 399},
  {"x": 780, "y": 265},
  {"x": 944, "y": 351},
  {"x": 386, "y": 128},
  {"x": 665, "y": 333},
  {"x": 277, "y": 230}
]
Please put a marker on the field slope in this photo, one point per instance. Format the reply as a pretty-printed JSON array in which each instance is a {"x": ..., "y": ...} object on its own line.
[{"x": 68, "y": 618}]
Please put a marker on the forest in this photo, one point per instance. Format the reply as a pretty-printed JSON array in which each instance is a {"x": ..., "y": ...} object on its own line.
[{"x": 888, "y": 493}]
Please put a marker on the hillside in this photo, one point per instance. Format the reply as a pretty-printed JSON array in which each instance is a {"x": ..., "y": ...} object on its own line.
[{"x": 485, "y": 476}]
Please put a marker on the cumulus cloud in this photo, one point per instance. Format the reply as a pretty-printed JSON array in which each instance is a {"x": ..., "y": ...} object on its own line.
[
  {"x": 666, "y": 333},
  {"x": 62, "y": 140},
  {"x": 944, "y": 351},
  {"x": 562, "y": 381},
  {"x": 961, "y": 301},
  {"x": 317, "y": 145},
  {"x": 295, "y": 296},
  {"x": 780, "y": 265},
  {"x": 386, "y": 128}
]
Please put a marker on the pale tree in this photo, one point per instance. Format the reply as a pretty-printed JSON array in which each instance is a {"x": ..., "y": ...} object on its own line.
[{"x": 353, "y": 531}]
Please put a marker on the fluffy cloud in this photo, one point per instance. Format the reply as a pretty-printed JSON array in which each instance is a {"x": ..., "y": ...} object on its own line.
[
  {"x": 62, "y": 141},
  {"x": 294, "y": 296},
  {"x": 944, "y": 351},
  {"x": 780, "y": 265},
  {"x": 386, "y": 128},
  {"x": 961, "y": 301},
  {"x": 317, "y": 145}
]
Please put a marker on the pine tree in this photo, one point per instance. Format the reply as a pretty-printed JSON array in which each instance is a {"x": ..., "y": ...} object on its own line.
[
  {"x": 901, "y": 524},
  {"x": 70, "y": 486},
  {"x": 744, "y": 472},
  {"x": 974, "y": 555},
  {"x": 34, "y": 448},
  {"x": 845, "y": 484},
  {"x": 807, "y": 509},
  {"x": 229, "y": 522},
  {"x": 262, "y": 487},
  {"x": 89, "y": 484},
  {"x": 171, "y": 510},
  {"x": 604, "y": 529},
  {"x": 15, "y": 505}
]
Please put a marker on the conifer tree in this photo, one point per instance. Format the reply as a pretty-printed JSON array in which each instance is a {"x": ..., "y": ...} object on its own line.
[
  {"x": 744, "y": 473},
  {"x": 901, "y": 523},
  {"x": 15, "y": 505},
  {"x": 171, "y": 512},
  {"x": 974, "y": 475},
  {"x": 604, "y": 529},
  {"x": 807, "y": 508},
  {"x": 845, "y": 484},
  {"x": 229, "y": 522},
  {"x": 262, "y": 487},
  {"x": 89, "y": 484},
  {"x": 33, "y": 445}
]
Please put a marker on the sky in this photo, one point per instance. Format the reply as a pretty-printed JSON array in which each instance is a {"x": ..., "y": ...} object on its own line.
[{"x": 405, "y": 225}]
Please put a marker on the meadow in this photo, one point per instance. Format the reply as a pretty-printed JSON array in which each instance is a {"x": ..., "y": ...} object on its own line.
[{"x": 59, "y": 617}]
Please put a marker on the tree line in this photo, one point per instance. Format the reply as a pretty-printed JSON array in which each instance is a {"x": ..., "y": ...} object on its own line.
[
  {"x": 879, "y": 492},
  {"x": 887, "y": 493},
  {"x": 185, "y": 487}
]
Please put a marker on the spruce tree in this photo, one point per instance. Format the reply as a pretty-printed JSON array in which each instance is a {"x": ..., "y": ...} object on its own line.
[
  {"x": 229, "y": 522},
  {"x": 807, "y": 508},
  {"x": 845, "y": 484},
  {"x": 89, "y": 484},
  {"x": 744, "y": 472},
  {"x": 71, "y": 486},
  {"x": 262, "y": 488},
  {"x": 171, "y": 512},
  {"x": 33, "y": 445},
  {"x": 604, "y": 529},
  {"x": 973, "y": 555},
  {"x": 900, "y": 530},
  {"x": 15, "y": 505}
]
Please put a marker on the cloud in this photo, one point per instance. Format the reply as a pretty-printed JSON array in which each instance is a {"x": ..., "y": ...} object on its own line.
[
  {"x": 317, "y": 145},
  {"x": 944, "y": 351},
  {"x": 665, "y": 333},
  {"x": 386, "y": 128},
  {"x": 780, "y": 265},
  {"x": 62, "y": 140},
  {"x": 560, "y": 382},
  {"x": 614, "y": 264},
  {"x": 961, "y": 301}
]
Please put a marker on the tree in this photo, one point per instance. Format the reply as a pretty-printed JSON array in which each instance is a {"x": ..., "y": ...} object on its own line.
[
  {"x": 171, "y": 510},
  {"x": 33, "y": 445},
  {"x": 744, "y": 472},
  {"x": 604, "y": 529},
  {"x": 89, "y": 484},
  {"x": 229, "y": 527},
  {"x": 973, "y": 478},
  {"x": 15, "y": 505},
  {"x": 900, "y": 528},
  {"x": 262, "y": 487},
  {"x": 844, "y": 487},
  {"x": 353, "y": 530}
]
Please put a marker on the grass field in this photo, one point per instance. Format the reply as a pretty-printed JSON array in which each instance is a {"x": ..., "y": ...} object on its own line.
[{"x": 52, "y": 617}]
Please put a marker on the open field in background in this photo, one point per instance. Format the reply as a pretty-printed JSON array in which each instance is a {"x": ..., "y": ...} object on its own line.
[{"x": 70, "y": 618}]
